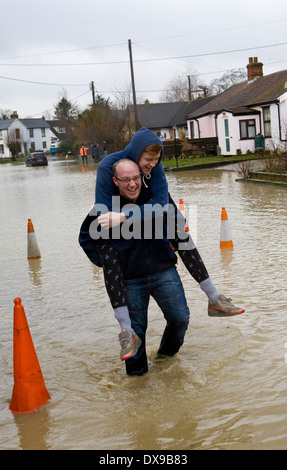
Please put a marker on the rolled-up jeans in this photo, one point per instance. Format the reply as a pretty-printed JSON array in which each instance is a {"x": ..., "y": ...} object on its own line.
[{"x": 167, "y": 290}]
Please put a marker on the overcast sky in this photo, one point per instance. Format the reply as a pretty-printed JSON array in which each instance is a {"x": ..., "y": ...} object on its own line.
[{"x": 47, "y": 48}]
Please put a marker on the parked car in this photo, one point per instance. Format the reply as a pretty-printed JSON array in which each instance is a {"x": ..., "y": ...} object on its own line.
[{"x": 36, "y": 159}]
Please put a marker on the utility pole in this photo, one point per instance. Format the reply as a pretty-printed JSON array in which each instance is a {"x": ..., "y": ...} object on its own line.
[
  {"x": 93, "y": 92},
  {"x": 133, "y": 87},
  {"x": 189, "y": 88}
]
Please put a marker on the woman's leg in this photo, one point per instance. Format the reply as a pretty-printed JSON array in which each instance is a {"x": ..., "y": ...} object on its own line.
[
  {"x": 190, "y": 255},
  {"x": 102, "y": 253},
  {"x": 114, "y": 282}
]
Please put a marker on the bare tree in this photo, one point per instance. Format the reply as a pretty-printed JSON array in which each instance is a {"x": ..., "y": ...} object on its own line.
[
  {"x": 14, "y": 142},
  {"x": 123, "y": 103},
  {"x": 228, "y": 79},
  {"x": 123, "y": 97},
  {"x": 5, "y": 113},
  {"x": 180, "y": 88}
]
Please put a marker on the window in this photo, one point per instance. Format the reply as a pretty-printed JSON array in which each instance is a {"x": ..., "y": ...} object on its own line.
[
  {"x": 1, "y": 135},
  {"x": 31, "y": 133},
  {"x": 17, "y": 134},
  {"x": 226, "y": 128},
  {"x": 43, "y": 132},
  {"x": 44, "y": 145},
  {"x": 267, "y": 122},
  {"x": 32, "y": 146},
  {"x": 247, "y": 129}
]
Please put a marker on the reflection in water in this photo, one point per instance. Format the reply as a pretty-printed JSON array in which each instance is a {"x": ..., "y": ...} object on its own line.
[
  {"x": 33, "y": 430},
  {"x": 224, "y": 390},
  {"x": 35, "y": 271},
  {"x": 226, "y": 255}
]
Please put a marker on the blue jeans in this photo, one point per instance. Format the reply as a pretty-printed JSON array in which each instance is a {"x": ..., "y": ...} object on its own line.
[{"x": 167, "y": 290}]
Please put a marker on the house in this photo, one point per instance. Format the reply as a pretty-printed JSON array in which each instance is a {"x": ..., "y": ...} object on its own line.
[
  {"x": 59, "y": 134},
  {"x": 32, "y": 134},
  {"x": 168, "y": 120},
  {"x": 63, "y": 130},
  {"x": 245, "y": 114}
]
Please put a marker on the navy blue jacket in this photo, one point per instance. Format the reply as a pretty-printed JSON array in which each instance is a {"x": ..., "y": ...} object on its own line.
[{"x": 137, "y": 257}]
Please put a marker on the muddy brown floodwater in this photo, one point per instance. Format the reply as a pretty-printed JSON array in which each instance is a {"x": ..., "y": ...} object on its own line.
[{"x": 225, "y": 389}]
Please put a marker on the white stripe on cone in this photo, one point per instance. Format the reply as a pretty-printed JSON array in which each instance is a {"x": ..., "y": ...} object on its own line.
[
  {"x": 225, "y": 233},
  {"x": 33, "y": 251}
]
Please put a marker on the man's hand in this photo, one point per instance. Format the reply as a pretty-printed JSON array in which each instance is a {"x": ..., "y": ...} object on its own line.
[{"x": 111, "y": 219}]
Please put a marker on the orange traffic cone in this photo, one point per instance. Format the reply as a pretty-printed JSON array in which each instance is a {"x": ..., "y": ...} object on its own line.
[
  {"x": 33, "y": 251},
  {"x": 182, "y": 210},
  {"x": 29, "y": 391},
  {"x": 225, "y": 234}
]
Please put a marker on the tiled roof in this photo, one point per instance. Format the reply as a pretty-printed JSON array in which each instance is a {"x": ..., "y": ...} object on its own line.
[
  {"x": 29, "y": 123},
  {"x": 192, "y": 106},
  {"x": 35, "y": 123},
  {"x": 262, "y": 90},
  {"x": 160, "y": 115},
  {"x": 157, "y": 114},
  {"x": 5, "y": 123}
]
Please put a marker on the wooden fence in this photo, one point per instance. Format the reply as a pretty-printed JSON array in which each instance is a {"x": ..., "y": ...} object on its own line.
[{"x": 191, "y": 147}]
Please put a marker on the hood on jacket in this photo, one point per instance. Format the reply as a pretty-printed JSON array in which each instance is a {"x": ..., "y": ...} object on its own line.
[{"x": 141, "y": 139}]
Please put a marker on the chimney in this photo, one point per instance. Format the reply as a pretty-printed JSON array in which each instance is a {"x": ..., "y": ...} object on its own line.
[
  {"x": 14, "y": 115},
  {"x": 254, "y": 68}
]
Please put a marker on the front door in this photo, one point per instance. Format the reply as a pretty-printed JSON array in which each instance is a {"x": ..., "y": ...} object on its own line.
[{"x": 227, "y": 140}]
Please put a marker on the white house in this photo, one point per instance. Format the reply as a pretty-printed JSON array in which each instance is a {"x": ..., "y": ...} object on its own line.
[
  {"x": 32, "y": 134},
  {"x": 239, "y": 116}
]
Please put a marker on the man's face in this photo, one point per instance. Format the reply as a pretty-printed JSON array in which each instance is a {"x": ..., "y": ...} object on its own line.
[
  {"x": 147, "y": 162},
  {"x": 128, "y": 180}
]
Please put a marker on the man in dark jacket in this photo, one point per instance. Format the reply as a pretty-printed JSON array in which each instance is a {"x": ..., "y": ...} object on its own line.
[{"x": 149, "y": 269}]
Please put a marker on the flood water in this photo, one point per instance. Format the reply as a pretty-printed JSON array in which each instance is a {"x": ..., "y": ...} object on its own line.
[{"x": 225, "y": 389}]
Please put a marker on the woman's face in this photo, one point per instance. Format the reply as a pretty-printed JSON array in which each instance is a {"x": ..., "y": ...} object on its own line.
[{"x": 147, "y": 162}]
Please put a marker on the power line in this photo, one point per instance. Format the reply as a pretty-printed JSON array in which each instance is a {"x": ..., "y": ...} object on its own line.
[
  {"x": 148, "y": 60},
  {"x": 48, "y": 110},
  {"x": 145, "y": 40},
  {"x": 41, "y": 83},
  {"x": 63, "y": 52},
  {"x": 110, "y": 90},
  {"x": 220, "y": 30}
]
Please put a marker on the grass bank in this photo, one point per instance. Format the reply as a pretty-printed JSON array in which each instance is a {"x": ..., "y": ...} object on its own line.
[{"x": 208, "y": 161}]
